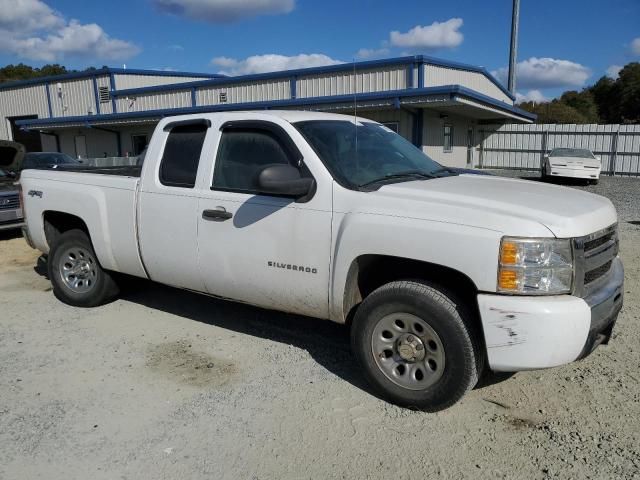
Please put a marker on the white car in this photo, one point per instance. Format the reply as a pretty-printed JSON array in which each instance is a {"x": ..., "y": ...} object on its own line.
[{"x": 572, "y": 163}]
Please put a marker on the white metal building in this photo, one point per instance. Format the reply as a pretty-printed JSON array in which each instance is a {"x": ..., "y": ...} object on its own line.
[{"x": 436, "y": 104}]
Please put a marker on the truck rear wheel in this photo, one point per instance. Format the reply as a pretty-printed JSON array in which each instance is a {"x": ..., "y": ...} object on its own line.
[
  {"x": 417, "y": 348},
  {"x": 75, "y": 273}
]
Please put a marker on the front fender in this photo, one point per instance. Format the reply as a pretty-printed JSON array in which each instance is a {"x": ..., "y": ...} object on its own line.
[{"x": 471, "y": 251}]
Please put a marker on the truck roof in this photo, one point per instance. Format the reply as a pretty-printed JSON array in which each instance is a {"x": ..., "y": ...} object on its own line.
[{"x": 291, "y": 116}]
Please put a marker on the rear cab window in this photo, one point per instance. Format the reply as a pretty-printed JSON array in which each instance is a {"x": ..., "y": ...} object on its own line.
[{"x": 181, "y": 156}]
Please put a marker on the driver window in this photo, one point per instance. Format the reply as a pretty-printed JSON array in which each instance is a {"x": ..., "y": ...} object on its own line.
[{"x": 242, "y": 155}]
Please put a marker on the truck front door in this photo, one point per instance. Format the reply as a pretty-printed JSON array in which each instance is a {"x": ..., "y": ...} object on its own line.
[{"x": 261, "y": 249}]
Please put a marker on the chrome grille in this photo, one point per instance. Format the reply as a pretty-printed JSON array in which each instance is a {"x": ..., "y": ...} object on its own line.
[
  {"x": 9, "y": 202},
  {"x": 594, "y": 255}
]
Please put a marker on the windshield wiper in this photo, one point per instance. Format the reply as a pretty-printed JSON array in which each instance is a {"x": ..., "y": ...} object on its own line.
[
  {"x": 418, "y": 174},
  {"x": 450, "y": 171}
]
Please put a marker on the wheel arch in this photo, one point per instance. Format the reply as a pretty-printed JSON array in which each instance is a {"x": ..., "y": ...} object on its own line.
[
  {"x": 56, "y": 223},
  {"x": 370, "y": 271}
]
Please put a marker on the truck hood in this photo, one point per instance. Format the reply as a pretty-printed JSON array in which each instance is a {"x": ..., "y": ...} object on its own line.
[
  {"x": 11, "y": 156},
  {"x": 502, "y": 204}
]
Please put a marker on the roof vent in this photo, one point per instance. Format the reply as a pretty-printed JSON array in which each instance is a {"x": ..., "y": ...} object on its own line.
[{"x": 103, "y": 93}]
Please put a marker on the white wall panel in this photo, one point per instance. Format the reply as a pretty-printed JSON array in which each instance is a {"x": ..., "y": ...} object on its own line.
[
  {"x": 437, "y": 76},
  {"x": 126, "y": 81},
  {"x": 259, "y": 91},
  {"x": 72, "y": 98},
  {"x": 21, "y": 101},
  {"x": 154, "y": 101},
  {"x": 346, "y": 82}
]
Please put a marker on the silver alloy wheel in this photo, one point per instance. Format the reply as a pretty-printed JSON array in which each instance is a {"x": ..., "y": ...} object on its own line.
[
  {"x": 408, "y": 351},
  {"x": 78, "y": 269}
]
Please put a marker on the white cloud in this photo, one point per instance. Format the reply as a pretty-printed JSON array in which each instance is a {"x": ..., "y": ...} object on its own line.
[
  {"x": 531, "y": 96},
  {"x": 635, "y": 45},
  {"x": 223, "y": 11},
  {"x": 271, "y": 63},
  {"x": 613, "y": 71},
  {"x": 31, "y": 29},
  {"x": 537, "y": 73},
  {"x": 434, "y": 36},
  {"x": 368, "y": 53},
  {"x": 28, "y": 16}
]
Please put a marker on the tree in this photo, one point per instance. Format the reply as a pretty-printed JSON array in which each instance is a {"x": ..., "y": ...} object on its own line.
[
  {"x": 554, "y": 112},
  {"x": 629, "y": 80},
  {"x": 607, "y": 101},
  {"x": 583, "y": 103},
  {"x": 606, "y": 94}
]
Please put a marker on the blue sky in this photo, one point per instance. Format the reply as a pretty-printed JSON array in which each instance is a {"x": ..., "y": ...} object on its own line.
[{"x": 564, "y": 44}]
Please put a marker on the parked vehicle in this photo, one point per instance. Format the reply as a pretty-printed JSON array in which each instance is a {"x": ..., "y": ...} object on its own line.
[
  {"x": 48, "y": 160},
  {"x": 440, "y": 276},
  {"x": 572, "y": 163},
  {"x": 11, "y": 155}
]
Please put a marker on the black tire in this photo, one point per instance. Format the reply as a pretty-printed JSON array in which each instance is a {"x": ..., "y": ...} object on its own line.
[
  {"x": 452, "y": 322},
  {"x": 99, "y": 287}
]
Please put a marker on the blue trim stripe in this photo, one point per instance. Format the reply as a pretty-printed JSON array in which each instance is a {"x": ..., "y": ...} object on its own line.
[
  {"x": 47, "y": 86},
  {"x": 392, "y": 96},
  {"x": 418, "y": 60},
  {"x": 420, "y": 75},
  {"x": 112, "y": 80},
  {"x": 95, "y": 95},
  {"x": 106, "y": 71}
]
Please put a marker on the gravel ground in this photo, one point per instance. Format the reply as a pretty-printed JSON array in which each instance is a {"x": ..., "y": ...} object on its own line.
[{"x": 169, "y": 384}]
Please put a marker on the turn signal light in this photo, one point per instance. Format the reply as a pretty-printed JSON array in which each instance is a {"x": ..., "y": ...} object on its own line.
[
  {"x": 508, "y": 279},
  {"x": 509, "y": 253}
]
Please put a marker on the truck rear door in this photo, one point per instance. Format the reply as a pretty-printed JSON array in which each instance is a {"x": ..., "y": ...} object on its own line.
[
  {"x": 257, "y": 248},
  {"x": 168, "y": 205}
]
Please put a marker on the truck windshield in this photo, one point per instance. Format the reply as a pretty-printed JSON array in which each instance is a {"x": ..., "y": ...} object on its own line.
[{"x": 367, "y": 153}]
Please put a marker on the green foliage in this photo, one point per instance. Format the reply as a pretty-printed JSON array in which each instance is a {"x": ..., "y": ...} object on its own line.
[
  {"x": 607, "y": 101},
  {"x": 12, "y": 73}
]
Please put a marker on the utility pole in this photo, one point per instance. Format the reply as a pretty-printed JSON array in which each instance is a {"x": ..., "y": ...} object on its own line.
[{"x": 513, "y": 51}]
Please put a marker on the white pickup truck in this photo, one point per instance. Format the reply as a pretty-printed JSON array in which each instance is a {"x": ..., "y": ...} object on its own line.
[{"x": 440, "y": 275}]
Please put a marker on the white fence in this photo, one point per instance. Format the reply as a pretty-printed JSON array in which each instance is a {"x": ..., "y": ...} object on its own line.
[
  {"x": 109, "y": 161},
  {"x": 523, "y": 147}
]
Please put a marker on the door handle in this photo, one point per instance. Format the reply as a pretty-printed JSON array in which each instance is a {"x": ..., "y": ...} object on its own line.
[{"x": 218, "y": 214}]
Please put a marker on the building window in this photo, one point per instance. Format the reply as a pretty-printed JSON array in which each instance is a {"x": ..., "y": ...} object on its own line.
[
  {"x": 447, "y": 143},
  {"x": 179, "y": 164},
  {"x": 395, "y": 126},
  {"x": 138, "y": 143}
]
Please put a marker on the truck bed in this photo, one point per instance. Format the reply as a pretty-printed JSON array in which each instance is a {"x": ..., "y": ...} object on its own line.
[{"x": 123, "y": 171}]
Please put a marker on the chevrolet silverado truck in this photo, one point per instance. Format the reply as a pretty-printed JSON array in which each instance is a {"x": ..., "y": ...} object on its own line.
[{"x": 440, "y": 276}]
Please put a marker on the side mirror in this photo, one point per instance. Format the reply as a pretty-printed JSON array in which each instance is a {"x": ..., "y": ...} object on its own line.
[
  {"x": 598, "y": 157},
  {"x": 546, "y": 155},
  {"x": 284, "y": 180}
]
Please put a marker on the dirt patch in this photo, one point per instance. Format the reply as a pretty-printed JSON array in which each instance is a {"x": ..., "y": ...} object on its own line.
[
  {"x": 16, "y": 254},
  {"x": 178, "y": 361}
]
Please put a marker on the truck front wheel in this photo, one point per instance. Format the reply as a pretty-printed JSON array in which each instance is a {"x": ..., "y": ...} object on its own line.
[
  {"x": 75, "y": 273},
  {"x": 416, "y": 346}
]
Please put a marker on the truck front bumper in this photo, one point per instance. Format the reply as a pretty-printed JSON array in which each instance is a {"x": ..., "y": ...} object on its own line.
[{"x": 528, "y": 332}]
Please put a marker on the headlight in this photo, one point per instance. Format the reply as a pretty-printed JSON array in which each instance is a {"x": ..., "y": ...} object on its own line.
[{"x": 535, "y": 266}]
